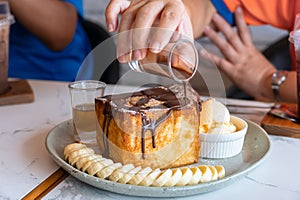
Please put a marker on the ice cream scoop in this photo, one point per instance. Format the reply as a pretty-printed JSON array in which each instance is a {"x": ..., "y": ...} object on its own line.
[{"x": 215, "y": 118}]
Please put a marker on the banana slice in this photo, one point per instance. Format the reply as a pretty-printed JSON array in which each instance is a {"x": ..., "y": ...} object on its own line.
[
  {"x": 86, "y": 160},
  {"x": 176, "y": 176},
  {"x": 74, "y": 155},
  {"x": 150, "y": 178},
  {"x": 88, "y": 163},
  {"x": 127, "y": 176},
  {"x": 120, "y": 172},
  {"x": 107, "y": 171},
  {"x": 71, "y": 147},
  {"x": 197, "y": 174},
  {"x": 162, "y": 178},
  {"x": 138, "y": 177},
  {"x": 97, "y": 166},
  {"x": 74, "y": 159},
  {"x": 206, "y": 173},
  {"x": 221, "y": 171},
  {"x": 214, "y": 172},
  {"x": 187, "y": 175},
  {"x": 83, "y": 160}
]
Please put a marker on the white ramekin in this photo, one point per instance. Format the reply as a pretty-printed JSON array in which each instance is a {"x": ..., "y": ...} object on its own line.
[{"x": 226, "y": 144}]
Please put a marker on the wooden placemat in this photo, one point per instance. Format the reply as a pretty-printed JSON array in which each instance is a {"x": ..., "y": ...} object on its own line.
[
  {"x": 277, "y": 126},
  {"x": 19, "y": 92}
]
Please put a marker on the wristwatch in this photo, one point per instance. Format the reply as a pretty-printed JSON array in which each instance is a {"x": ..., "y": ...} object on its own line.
[{"x": 277, "y": 79}]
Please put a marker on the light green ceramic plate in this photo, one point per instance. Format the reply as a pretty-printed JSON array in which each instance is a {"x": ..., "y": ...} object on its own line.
[{"x": 255, "y": 150}]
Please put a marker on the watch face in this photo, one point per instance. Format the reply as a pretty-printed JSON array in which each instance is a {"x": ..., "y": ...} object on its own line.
[{"x": 279, "y": 77}]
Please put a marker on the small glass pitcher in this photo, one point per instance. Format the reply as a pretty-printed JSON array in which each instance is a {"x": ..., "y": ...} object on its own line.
[{"x": 177, "y": 61}]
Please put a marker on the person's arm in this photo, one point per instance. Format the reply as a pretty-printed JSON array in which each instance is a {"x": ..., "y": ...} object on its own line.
[
  {"x": 243, "y": 63},
  {"x": 52, "y": 21},
  {"x": 288, "y": 89},
  {"x": 200, "y": 13}
]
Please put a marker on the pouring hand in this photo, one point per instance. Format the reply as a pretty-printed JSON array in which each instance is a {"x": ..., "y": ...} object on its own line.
[{"x": 136, "y": 19}]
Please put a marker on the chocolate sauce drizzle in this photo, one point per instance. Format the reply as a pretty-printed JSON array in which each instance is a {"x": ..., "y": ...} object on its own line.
[
  {"x": 162, "y": 94},
  {"x": 149, "y": 124}
]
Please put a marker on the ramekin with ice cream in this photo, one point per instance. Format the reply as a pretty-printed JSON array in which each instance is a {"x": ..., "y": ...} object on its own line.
[{"x": 221, "y": 135}]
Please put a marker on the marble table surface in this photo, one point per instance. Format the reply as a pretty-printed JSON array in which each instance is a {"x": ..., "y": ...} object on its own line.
[{"x": 25, "y": 162}]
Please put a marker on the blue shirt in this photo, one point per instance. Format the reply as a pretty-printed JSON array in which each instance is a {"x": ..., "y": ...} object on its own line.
[
  {"x": 29, "y": 58},
  {"x": 224, "y": 11}
]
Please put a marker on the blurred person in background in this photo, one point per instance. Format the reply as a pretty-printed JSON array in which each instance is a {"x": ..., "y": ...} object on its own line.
[
  {"x": 47, "y": 41},
  {"x": 243, "y": 64}
]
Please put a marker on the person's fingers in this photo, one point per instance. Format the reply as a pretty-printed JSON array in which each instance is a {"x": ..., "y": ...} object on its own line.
[
  {"x": 124, "y": 46},
  {"x": 114, "y": 8},
  {"x": 185, "y": 28},
  {"x": 227, "y": 30},
  {"x": 227, "y": 50},
  {"x": 144, "y": 19},
  {"x": 125, "y": 39},
  {"x": 220, "y": 62},
  {"x": 243, "y": 29},
  {"x": 169, "y": 20}
]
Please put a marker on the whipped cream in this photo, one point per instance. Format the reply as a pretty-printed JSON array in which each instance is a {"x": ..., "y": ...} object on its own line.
[{"x": 215, "y": 118}]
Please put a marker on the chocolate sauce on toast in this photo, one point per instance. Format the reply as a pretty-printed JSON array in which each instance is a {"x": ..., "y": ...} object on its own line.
[{"x": 140, "y": 107}]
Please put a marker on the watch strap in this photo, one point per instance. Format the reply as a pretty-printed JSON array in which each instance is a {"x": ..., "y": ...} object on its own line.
[{"x": 275, "y": 89}]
